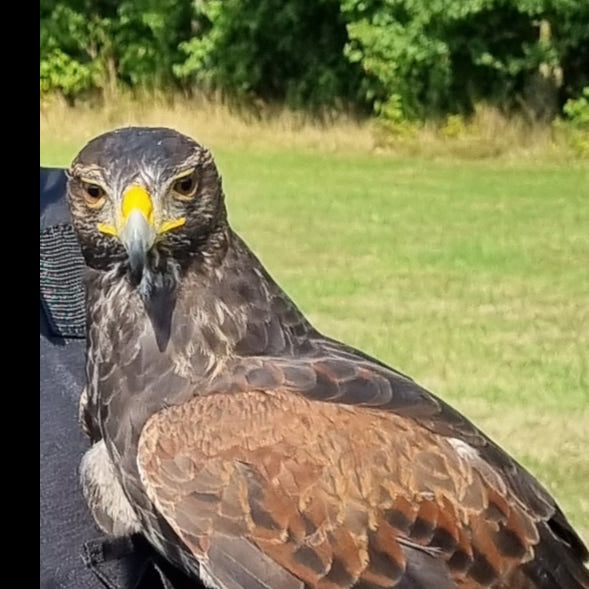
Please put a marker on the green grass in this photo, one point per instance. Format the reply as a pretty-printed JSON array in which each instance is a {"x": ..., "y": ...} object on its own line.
[{"x": 472, "y": 277}]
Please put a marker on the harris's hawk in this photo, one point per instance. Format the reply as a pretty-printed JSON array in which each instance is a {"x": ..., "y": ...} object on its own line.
[{"x": 250, "y": 449}]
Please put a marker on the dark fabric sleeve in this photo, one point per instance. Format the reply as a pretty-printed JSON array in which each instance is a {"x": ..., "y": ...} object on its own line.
[
  {"x": 61, "y": 261},
  {"x": 53, "y": 205}
]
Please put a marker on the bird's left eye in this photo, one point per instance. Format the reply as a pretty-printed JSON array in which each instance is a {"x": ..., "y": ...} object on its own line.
[{"x": 185, "y": 187}]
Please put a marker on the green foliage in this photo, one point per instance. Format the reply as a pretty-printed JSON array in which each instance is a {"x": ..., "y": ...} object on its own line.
[
  {"x": 69, "y": 49},
  {"x": 577, "y": 111},
  {"x": 149, "y": 35},
  {"x": 441, "y": 56},
  {"x": 96, "y": 44},
  {"x": 288, "y": 51},
  {"x": 59, "y": 72},
  {"x": 401, "y": 63},
  {"x": 453, "y": 127},
  {"x": 400, "y": 59},
  {"x": 575, "y": 127}
]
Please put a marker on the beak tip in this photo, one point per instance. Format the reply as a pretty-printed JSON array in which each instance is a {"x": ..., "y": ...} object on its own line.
[{"x": 138, "y": 236}]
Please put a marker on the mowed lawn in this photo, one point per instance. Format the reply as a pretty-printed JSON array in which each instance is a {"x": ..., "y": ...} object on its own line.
[{"x": 472, "y": 277}]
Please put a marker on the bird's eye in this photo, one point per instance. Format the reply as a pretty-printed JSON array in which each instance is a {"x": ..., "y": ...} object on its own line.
[
  {"x": 94, "y": 194},
  {"x": 185, "y": 188}
]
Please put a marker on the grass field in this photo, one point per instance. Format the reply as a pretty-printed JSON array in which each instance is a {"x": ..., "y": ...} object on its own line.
[{"x": 471, "y": 276}]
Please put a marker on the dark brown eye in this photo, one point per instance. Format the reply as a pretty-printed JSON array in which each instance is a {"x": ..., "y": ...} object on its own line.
[
  {"x": 94, "y": 194},
  {"x": 185, "y": 187}
]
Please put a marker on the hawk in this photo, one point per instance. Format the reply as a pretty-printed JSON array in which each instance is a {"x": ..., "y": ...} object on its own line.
[{"x": 248, "y": 448}]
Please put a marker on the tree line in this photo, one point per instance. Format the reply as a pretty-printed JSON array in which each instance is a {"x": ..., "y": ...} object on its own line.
[{"x": 400, "y": 59}]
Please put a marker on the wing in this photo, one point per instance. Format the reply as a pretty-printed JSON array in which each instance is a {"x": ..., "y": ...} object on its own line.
[{"x": 333, "y": 473}]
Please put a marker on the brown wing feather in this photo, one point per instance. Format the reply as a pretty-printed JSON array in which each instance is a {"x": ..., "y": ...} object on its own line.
[
  {"x": 337, "y": 496},
  {"x": 339, "y": 374}
]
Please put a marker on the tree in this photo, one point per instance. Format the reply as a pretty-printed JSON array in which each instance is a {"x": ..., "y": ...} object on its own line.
[
  {"x": 399, "y": 58},
  {"x": 97, "y": 44},
  {"x": 428, "y": 58},
  {"x": 280, "y": 50}
]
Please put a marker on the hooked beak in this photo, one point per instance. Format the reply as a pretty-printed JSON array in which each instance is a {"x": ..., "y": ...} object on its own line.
[
  {"x": 137, "y": 232},
  {"x": 137, "y": 235},
  {"x": 136, "y": 228}
]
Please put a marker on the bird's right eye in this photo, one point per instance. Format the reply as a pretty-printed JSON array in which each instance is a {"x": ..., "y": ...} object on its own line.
[{"x": 94, "y": 194}]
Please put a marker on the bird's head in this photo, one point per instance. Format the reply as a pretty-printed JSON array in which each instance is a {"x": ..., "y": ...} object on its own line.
[{"x": 142, "y": 198}]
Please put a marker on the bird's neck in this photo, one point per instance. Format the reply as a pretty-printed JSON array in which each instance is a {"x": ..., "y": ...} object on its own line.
[
  {"x": 165, "y": 271},
  {"x": 147, "y": 354},
  {"x": 220, "y": 305}
]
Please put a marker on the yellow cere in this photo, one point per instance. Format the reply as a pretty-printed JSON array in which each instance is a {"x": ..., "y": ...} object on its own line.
[
  {"x": 108, "y": 229},
  {"x": 172, "y": 224},
  {"x": 136, "y": 197}
]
